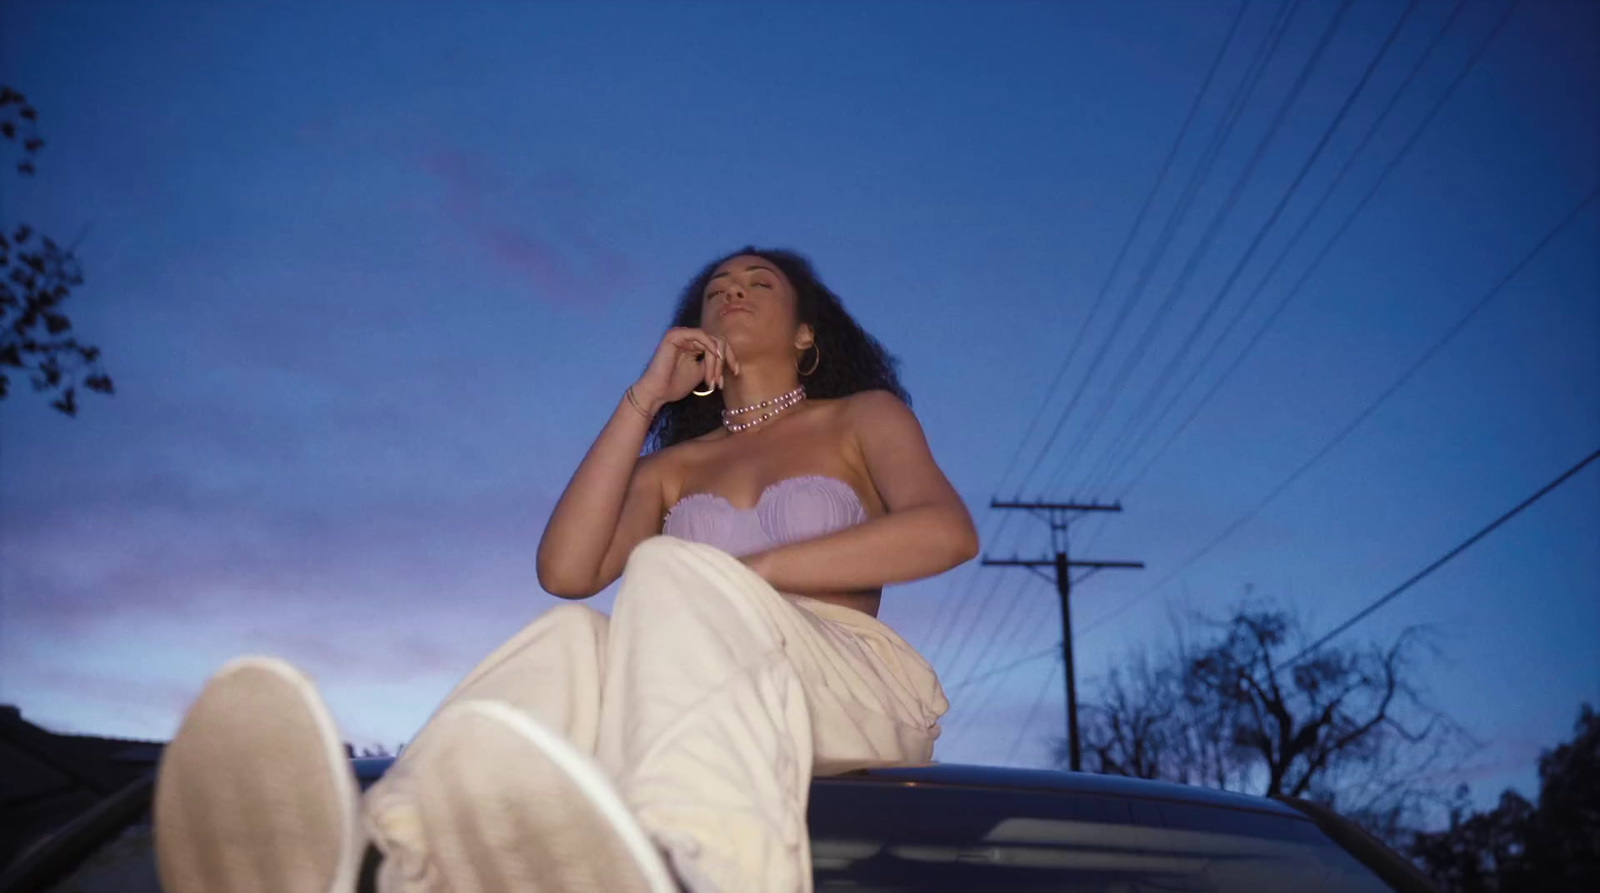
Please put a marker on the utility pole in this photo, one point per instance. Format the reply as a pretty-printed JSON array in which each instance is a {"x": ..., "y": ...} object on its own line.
[{"x": 1057, "y": 514}]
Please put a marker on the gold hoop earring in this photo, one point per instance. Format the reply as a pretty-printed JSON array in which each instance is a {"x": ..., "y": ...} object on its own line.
[{"x": 815, "y": 363}]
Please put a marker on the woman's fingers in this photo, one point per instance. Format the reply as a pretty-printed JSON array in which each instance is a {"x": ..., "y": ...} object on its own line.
[
  {"x": 718, "y": 357},
  {"x": 693, "y": 339},
  {"x": 708, "y": 361},
  {"x": 699, "y": 347},
  {"x": 726, "y": 350},
  {"x": 713, "y": 353}
]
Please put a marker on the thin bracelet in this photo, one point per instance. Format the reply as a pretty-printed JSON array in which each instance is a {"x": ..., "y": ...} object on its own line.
[{"x": 632, "y": 401}]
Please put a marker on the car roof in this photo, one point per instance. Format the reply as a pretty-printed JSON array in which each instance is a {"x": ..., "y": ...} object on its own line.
[{"x": 1009, "y": 778}]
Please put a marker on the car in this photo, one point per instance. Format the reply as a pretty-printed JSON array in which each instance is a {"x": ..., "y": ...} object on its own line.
[{"x": 941, "y": 827}]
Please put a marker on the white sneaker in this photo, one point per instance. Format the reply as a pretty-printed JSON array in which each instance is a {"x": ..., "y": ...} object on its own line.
[
  {"x": 509, "y": 806},
  {"x": 255, "y": 792}
]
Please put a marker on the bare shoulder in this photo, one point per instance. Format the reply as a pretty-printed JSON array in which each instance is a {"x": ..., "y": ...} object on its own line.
[
  {"x": 670, "y": 465},
  {"x": 894, "y": 449},
  {"x": 875, "y": 409}
]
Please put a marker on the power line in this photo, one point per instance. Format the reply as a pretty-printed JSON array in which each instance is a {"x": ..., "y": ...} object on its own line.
[
  {"x": 1119, "y": 443},
  {"x": 1203, "y": 167},
  {"x": 1394, "y": 593},
  {"x": 1304, "y": 227},
  {"x": 1127, "y": 241},
  {"x": 1000, "y": 674},
  {"x": 1294, "y": 240},
  {"x": 1086, "y": 432},
  {"x": 1000, "y": 632},
  {"x": 1052, "y": 650},
  {"x": 1183, "y": 131},
  {"x": 1344, "y": 225},
  {"x": 1059, "y": 515},
  {"x": 1017, "y": 598},
  {"x": 1371, "y": 408},
  {"x": 1236, "y": 103},
  {"x": 936, "y": 651},
  {"x": 1003, "y": 672},
  {"x": 1011, "y": 635},
  {"x": 996, "y": 678},
  {"x": 1393, "y": 164}
]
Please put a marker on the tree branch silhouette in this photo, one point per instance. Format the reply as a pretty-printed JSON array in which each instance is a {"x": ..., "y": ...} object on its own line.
[{"x": 37, "y": 276}]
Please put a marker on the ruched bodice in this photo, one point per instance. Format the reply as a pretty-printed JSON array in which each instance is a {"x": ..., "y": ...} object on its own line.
[{"x": 793, "y": 509}]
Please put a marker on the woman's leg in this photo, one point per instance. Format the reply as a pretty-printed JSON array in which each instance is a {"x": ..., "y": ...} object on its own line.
[
  {"x": 553, "y": 669},
  {"x": 721, "y": 694},
  {"x": 509, "y": 806},
  {"x": 883, "y": 709}
]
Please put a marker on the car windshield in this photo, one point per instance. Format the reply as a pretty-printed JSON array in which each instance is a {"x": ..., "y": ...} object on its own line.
[{"x": 878, "y": 838}]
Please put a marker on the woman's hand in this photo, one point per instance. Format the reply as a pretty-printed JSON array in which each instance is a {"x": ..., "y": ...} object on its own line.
[{"x": 684, "y": 358}]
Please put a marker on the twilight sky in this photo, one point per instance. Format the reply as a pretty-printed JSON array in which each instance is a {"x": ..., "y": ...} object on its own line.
[{"x": 369, "y": 278}]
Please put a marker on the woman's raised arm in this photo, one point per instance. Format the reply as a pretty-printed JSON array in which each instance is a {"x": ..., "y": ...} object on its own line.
[{"x": 615, "y": 498}]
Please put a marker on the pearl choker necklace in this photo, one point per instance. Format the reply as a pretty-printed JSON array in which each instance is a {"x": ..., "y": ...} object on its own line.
[{"x": 773, "y": 407}]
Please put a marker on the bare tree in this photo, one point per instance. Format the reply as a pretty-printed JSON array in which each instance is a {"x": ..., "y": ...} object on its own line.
[
  {"x": 1342, "y": 726},
  {"x": 1149, "y": 722},
  {"x": 38, "y": 276},
  {"x": 1129, "y": 731}
]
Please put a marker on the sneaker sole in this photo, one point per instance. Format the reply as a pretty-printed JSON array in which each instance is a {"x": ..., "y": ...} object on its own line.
[
  {"x": 255, "y": 792},
  {"x": 509, "y": 806}
]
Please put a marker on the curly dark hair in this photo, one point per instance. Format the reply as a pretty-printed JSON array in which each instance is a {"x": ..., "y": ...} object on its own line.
[{"x": 851, "y": 361}]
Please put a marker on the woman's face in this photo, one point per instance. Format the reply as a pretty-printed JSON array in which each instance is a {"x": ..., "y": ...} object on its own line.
[{"x": 750, "y": 303}]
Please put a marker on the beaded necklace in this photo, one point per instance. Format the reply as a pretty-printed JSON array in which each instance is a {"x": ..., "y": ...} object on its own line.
[{"x": 773, "y": 407}]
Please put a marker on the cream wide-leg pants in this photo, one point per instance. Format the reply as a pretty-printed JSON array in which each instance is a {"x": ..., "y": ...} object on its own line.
[{"x": 710, "y": 699}]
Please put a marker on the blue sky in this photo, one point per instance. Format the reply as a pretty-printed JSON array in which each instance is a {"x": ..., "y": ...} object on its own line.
[{"x": 370, "y": 277}]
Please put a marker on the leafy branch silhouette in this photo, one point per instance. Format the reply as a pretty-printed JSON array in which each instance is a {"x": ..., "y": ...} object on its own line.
[{"x": 37, "y": 275}]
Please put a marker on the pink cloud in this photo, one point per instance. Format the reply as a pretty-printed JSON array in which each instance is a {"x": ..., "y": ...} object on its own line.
[
  {"x": 518, "y": 250},
  {"x": 555, "y": 252},
  {"x": 359, "y": 596},
  {"x": 70, "y": 577}
]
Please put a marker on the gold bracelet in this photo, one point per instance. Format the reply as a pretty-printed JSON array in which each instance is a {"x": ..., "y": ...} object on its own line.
[{"x": 634, "y": 402}]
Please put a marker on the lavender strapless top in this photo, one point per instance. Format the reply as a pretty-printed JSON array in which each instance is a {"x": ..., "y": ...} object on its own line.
[{"x": 793, "y": 509}]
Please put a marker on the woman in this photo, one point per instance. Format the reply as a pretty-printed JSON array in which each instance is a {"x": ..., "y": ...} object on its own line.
[{"x": 743, "y": 655}]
